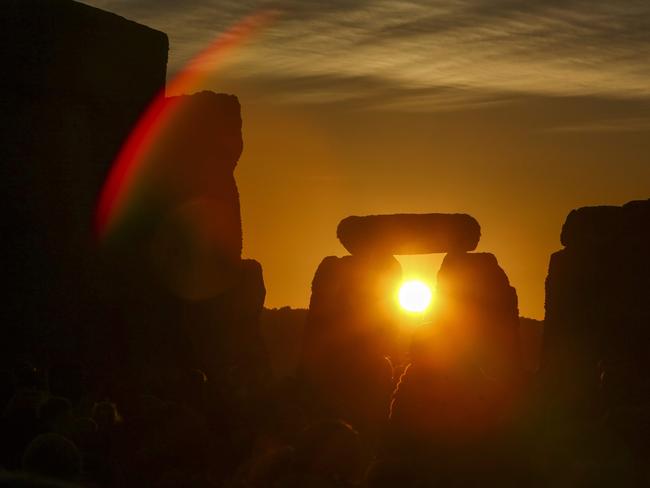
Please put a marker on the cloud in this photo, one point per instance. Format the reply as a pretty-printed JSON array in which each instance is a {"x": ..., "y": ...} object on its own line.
[
  {"x": 473, "y": 48},
  {"x": 359, "y": 93},
  {"x": 625, "y": 124}
]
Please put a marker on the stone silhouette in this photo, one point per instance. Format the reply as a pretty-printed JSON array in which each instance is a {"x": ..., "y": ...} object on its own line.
[
  {"x": 466, "y": 364},
  {"x": 597, "y": 308},
  {"x": 74, "y": 81},
  {"x": 595, "y": 392},
  {"x": 474, "y": 294},
  {"x": 351, "y": 328},
  {"x": 77, "y": 79},
  {"x": 226, "y": 335},
  {"x": 187, "y": 215},
  {"x": 192, "y": 301},
  {"x": 409, "y": 233},
  {"x": 353, "y": 321}
]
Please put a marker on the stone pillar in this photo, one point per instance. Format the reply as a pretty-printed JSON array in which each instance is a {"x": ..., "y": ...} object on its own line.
[
  {"x": 349, "y": 333},
  {"x": 466, "y": 364}
]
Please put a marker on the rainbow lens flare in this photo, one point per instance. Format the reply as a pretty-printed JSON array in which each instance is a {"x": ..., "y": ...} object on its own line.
[{"x": 130, "y": 170}]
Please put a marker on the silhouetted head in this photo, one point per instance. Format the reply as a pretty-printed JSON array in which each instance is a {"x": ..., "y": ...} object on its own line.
[
  {"x": 271, "y": 468},
  {"x": 25, "y": 404},
  {"x": 331, "y": 450},
  {"x": 390, "y": 474},
  {"x": 55, "y": 411},
  {"x": 192, "y": 385},
  {"x": 26, "y": 375},
  {"x": 196, "y": 377},
  {"x": 52, "y": 455},
  {"x": 105, "y": 415},
  {"x": 67, "y": 380},
  {"x": 81, "y": 431},
  {"x": 26, "y": 480}
]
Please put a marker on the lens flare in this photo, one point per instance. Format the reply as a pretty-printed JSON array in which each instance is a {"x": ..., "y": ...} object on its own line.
[
  {"x": 415, "y": 296},
  {"x": 127, "y": 169}
]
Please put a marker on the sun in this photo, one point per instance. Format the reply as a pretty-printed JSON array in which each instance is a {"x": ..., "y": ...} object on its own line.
[{"x": 414, "y": 296}]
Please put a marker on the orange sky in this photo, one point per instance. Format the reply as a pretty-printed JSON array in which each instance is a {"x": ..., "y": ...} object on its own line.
[
  {"x": 512, "y": 111},
  {"x": 305, "y": 168}
]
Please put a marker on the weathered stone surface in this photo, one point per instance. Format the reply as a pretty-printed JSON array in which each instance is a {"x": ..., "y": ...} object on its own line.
[
  {"x": 474, "y": 293},
  {"x": 191, "y": 198},
  {"x": 409, "y": 233},
  {"x": 226, "y": 335},
  {"x": 467, "y": 360},
  {"x": 605, "y": 225},
  {"x": 354, "y": 287},
  {"x": 174, "y": 256},
  {"x": 74, "y": 81},
  {"x": 350, "y": 329},
  {"x": 225, "y": 341},
  {"x": 169, "y": 294},
  {"x": 435, "y": 404},
  {"x": 597, "y": 309}
]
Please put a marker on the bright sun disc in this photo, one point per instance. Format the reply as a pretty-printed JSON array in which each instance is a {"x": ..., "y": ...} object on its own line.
[{"x": 414, "y": 296}]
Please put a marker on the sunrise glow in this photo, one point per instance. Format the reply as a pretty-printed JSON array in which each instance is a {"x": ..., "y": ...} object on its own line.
[{"x": 415, "y": 296}]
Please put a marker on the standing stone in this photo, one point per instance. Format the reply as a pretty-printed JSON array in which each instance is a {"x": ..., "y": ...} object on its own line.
[
  {"x": 185, "y": 205},
  {"x": 474, "y": 294},
  {"x": 466, "y": 364},
  {"x": 226, "y": 336},
  {"x": 74, "y": 81},
  {"x": 181, "y": 239},
  {"x": 597, "y": 324},
  {"x": 351, "y": 328}
]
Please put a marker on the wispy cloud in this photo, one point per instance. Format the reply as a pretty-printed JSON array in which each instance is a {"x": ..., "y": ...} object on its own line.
[
  {"x": 473, "y": 48},
  {"x": 626, "y": 124}
]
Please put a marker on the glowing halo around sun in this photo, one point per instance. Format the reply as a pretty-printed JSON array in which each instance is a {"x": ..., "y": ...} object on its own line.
[{"x": 415, "y": 296}]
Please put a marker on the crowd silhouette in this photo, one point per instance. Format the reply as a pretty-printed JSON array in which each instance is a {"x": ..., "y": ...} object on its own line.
[{"x": 147, "y": 358}]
